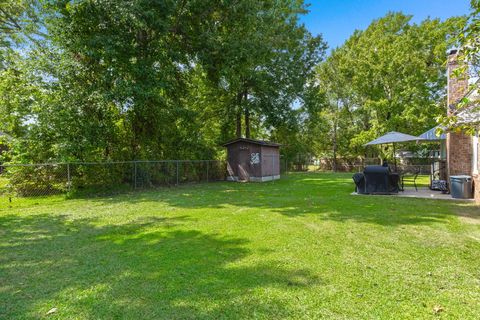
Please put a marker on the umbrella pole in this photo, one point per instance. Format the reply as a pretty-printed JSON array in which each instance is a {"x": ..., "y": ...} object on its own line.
[{"x": 394, "y": 158}]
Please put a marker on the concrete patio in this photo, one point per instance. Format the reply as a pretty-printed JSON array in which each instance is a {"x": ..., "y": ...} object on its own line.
[{"x": 422, "y": 193}]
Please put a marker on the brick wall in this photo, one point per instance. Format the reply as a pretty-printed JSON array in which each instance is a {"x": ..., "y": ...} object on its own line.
[
  {"x": 459, "y": 145},
  {"x": 459, "y": 154}
]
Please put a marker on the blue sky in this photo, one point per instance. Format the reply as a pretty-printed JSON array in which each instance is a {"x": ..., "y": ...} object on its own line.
[{"x": 337, "y": 19}]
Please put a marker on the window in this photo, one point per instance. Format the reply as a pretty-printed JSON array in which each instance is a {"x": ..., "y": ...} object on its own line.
[{"x": 475, "y": 154}]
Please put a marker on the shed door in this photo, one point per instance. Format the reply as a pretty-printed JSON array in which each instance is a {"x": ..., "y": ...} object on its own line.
[{"x": 244, "y": 165}]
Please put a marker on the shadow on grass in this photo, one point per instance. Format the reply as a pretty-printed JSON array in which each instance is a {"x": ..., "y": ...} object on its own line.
[
  {"x": 150, "y": 268},
  {"x": 328, "y": 196}
]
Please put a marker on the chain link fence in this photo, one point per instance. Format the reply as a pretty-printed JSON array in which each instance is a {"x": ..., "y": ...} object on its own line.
[
  {"x": 30, "y": 180},
  {"x": 328, "y": 164},
  {"x": 422, "y": 166}
]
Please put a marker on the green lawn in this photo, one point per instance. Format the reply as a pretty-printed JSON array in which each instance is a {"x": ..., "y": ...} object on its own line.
[{"x": 301, "y": 247}]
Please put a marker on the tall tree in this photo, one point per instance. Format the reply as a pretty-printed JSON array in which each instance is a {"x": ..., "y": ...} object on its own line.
[
  {"x": 262, "y": 57},
  {"x": 468, "y": 42},
  {"x": 389, "y": 77},
  {"x": 19, "y": 25},
  {"x": 142, "y": 79}
]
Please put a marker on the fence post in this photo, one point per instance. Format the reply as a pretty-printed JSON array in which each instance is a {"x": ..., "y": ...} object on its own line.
[
  {"x": 69, "y": 182},
  {"x": 135, "y": 175},
  {"x": 177, "y": 172}
]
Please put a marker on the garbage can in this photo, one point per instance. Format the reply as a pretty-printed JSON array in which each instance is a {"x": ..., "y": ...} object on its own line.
[{"x": 461, "y": 187}]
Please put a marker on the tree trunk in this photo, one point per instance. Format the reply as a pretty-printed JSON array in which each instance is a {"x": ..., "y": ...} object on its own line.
[
  {"x": 247, "y": 123},
  {"x": 247, "y": 116},
  {"x": 334, "y": 138},
  {"x": 334, "y": 166},
  {"x": 239, "y": 115},
  {"x": 239, "y": 124}
]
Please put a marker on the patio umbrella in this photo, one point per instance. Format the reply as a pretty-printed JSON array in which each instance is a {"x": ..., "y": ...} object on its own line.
[
  {"x": 431, "y": 135},
  {"x": 393, "y": 137}
]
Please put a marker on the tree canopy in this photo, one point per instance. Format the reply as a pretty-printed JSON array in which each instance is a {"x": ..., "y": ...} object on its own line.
[
  {"x": 389, "y": 77},
  {"x": 468, "y": 43},
  {"x": 121, "y": 80},
  {"x": 142, "y": 79}
]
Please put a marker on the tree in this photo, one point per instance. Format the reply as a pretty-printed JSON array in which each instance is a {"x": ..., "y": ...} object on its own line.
[
  {"x": 19, "y": 24},
  {"x": 469, "y": 55},
  {"x": 141, "y": 79},
  {"x": 261, "y": 58},
  {"x": 469, "y": 39},
  {"x": 389, "y": 77}
]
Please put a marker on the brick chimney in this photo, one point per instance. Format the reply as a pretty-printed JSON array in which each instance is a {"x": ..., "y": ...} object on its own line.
[{"x": 459, "y": 145}]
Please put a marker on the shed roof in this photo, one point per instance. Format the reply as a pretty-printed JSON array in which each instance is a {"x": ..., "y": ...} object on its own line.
[{"x": 253, "y": 141}]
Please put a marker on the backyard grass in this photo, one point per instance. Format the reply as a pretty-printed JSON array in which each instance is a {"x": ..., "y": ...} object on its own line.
[{"x": 301, "y": 247}]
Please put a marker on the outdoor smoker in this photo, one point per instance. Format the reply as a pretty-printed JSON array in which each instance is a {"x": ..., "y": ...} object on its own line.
[{"x": 376, "y": 180}]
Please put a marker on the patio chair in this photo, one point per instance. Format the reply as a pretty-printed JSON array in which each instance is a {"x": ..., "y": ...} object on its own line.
[
  {"x": 438, "y": 176},
  {"x": 410, "y": 177}
]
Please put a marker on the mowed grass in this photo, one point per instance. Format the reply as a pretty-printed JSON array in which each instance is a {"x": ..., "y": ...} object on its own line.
[{"x": 298, "y": 248}]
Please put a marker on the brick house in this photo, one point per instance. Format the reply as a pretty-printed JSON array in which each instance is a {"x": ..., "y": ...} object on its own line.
[{"x": 462, "y": 148}]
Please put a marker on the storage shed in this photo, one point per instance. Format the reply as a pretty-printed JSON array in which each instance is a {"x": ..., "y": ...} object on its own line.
[{"x": 252, "y": 160}]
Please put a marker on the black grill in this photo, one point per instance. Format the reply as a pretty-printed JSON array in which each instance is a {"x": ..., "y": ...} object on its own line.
[{"x": 376, "y": 180}]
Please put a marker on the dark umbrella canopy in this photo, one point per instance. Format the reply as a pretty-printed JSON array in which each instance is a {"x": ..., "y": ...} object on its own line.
[{"x": 393, "y": 137}]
